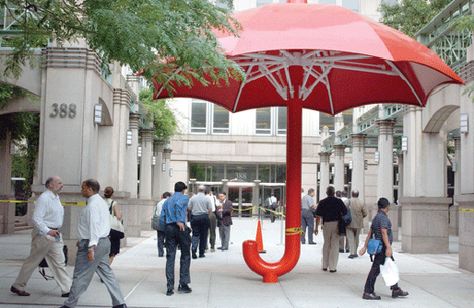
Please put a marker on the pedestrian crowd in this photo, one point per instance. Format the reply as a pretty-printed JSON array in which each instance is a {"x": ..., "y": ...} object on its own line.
[{"x": 100, "y": 230}]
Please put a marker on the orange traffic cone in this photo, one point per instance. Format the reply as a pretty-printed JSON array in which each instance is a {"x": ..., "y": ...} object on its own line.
[{"x": 259, "y": 239}]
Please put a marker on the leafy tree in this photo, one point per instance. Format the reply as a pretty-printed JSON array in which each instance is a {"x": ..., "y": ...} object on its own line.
[
  {"x": 409, "y": 16},
  {"x": 154, "y": 37},
  {"x": 158, "y": 114}
]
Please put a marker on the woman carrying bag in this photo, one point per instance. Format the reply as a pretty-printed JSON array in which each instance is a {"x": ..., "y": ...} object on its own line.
[
  {"x": 380, "y": 234},
  {"x": 116, "y": 225}
]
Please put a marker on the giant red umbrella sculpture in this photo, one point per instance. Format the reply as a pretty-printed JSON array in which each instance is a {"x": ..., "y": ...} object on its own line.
[{"x": 321, "y": 57}]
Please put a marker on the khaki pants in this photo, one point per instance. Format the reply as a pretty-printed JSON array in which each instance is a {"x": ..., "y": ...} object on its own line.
[
  {"x": 353, "y": 238},
  {"x": 331, "y": 245},
  {"x": 52, "y": 251}
]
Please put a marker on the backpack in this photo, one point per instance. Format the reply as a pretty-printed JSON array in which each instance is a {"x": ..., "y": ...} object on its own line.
[{"x": 347, "y": 219}]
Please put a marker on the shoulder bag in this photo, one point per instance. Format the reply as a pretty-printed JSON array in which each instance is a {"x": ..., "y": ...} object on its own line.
[{"x": 115, "y": 224}]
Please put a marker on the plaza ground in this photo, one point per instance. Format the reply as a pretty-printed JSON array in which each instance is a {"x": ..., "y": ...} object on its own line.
[{"x": 223, "y": 280}]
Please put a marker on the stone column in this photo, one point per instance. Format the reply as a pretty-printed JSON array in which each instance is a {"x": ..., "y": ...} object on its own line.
[
  {"x": 454, "y": 209},
  {"x": 400, "y": 188},
  {"x": 165, "y": 176},
  {"x": 122, "y": 148},
  {"x": 424, "y": 205},
  {"x": 132, "y": 157},
  {"x": 145, "y": 163},
  {"x": 157, "y": 169},
  {"x": 7, "y": 210},
  {"x": 324, "y": 173},
  {"x": 339, "y": 167},
  {"x": 385, "y": 169},
  {"x": 465, "y": 198},
  {"x": 358, "y": 150}
]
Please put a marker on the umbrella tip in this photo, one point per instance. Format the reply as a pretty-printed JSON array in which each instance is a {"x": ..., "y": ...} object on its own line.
[{"x": 297, "y": 1}]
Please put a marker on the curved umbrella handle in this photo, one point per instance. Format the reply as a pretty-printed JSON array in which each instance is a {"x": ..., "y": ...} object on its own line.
[{"x": 271, "y": 271}]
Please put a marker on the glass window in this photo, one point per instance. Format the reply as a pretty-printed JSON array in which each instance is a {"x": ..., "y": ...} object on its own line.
[
  {"x": 198, "y": 117},
  {"x": 280, "y": 176},
  {"x": 281, "y": 126},
  {"x": 263, "y": 2},
  {"x": 220, "y": 123},
  {"x": 241, "y": 173},
  {"x": 264, "y": 121},
  {"x": 264, "y": 173},
  {"x": 351, "y": 4},
  {"x": 197, "y": 171},
  {"x": 225, "y": 4},
  {"x": 217, "y": 173}
]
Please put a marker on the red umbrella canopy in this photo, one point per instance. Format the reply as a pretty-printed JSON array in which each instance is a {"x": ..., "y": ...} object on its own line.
[{"x": 327, "y": 57}]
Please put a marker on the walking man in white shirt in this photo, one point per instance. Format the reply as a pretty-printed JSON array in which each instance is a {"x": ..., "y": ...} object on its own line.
[
  {"x": 46, "y": 240},
  {"x": 93, "y": 248}
]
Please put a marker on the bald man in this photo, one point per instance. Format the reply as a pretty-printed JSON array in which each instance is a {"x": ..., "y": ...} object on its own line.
[{"x": 46, "y": 240}]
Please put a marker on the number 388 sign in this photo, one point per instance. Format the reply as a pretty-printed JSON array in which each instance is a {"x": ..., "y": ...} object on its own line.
[{"x": 63, "y": 111}]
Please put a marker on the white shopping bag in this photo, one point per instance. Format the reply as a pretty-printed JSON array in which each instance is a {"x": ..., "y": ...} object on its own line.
[{"x": 389, "y": 272}]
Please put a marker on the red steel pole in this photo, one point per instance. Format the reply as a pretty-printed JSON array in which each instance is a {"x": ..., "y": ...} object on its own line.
[{"x": 271, "y": 271}]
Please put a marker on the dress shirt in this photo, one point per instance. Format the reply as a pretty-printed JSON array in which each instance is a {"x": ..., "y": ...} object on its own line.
[
  {"x": 48, "y": 213},
  {"x": 213, "y": 202},
  {"x": 159, "y": 206},
  {"x": 307, "y": 202},
  {"x": 174, "y": 209},
  {"x": 200, "y": 204},
  {"x": 94, "y": 221}
]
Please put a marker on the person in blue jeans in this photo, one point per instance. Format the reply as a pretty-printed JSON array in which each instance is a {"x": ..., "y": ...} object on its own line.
[
  {"x": 173, "y": 216},
  {"x": 381, "y": 229}
]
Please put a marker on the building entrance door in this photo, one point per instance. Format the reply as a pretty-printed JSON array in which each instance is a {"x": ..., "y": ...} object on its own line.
[{"x": 241, "y": 195}]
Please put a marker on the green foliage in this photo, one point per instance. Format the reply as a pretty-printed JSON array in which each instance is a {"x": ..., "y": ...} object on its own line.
[
  {"x": 158, "y": 114},
  {"x": 25, "y": 134},
  {"x": 8, "y": 92},
  {"x": 409, "y": 16},
  {"x": 154, "y": 37}
]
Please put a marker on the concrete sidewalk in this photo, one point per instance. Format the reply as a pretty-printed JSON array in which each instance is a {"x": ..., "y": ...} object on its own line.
[{"x": 223, "y": 280}]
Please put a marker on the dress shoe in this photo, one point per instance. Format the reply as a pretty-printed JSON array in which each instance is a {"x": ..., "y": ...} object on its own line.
[
  {"x": 341, "y": 250},
  {"x": 184, "y": 288},
  {"x": 347, "y": 250},
  {"x": 399, "y": 293},
  {"x": 65, "y": 294},
  {"x": 194, "y": 255},
  {"x": 332, "y": 271},
  {"x": 312, "y": 243},
  {"x": 64, "y": 306},
  {"x": 325, "y": 269},
  {"x": 352, "y": 256},
  {"x": 169, "y": 292},
  {"x": 120, "y": 306},
  {"x": 202, "y": 256},
  {"x": 19, "y": 292},
  {"x": 370, "y": 296}
]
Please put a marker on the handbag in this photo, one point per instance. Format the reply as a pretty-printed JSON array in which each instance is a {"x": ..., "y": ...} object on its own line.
[
  {"x": 389, "y": 271},
  {"x": 374, "y": 247},
  {"x": 115, "y": 224}
]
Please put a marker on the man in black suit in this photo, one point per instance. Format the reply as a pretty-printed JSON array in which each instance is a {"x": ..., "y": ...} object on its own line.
[{"x": 224, "y": 211}]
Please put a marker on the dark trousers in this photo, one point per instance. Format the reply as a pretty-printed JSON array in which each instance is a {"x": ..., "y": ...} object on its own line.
[
  {"x": 160, "y": 242},
  {"x": 374, "y": 272},
  {"x": 200, "y": 225},
  {"x": 175, "y": 237},
  {"x": 307, "y": 222},
  {"x": 212, "y": 229}
]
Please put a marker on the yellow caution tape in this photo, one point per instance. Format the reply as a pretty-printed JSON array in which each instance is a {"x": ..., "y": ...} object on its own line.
[
  {"x": 466, "y": 210},
  {"x": 293, "y": 231},
  {"x": 74, "y": 203},
  {"x": 13, "y": 201},
  {"x": 64, "y": 203}
]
